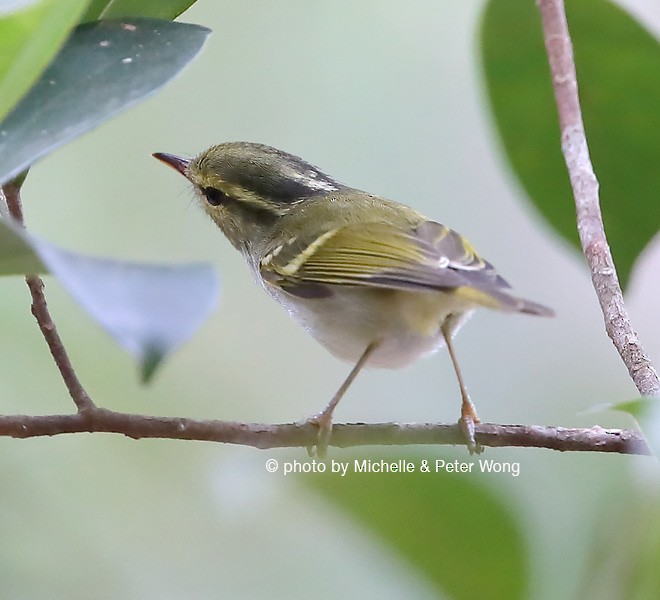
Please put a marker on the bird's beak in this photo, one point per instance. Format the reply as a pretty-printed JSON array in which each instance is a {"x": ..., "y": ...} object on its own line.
[{"x": 176, "y": 162}]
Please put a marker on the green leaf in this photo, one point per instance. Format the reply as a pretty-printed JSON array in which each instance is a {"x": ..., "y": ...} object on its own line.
[
  {"x": 618, "y": 69},
  {"x": 94, "y": 10},
  {"x": 625, "y": 552},
  {"x": 148, "y": 309},
  {"x": 30, "y": 35},
  {"x": 646, "y": 411},
  {"x": 104, "y": 68},
  {"x": 120, "y": 9},
  {"x": 17, "y": 256},
  {"x": 449, "y": 526}
]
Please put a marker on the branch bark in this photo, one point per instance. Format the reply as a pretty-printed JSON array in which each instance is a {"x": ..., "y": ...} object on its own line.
[
  {"x": 292, "y": 435},
  {"x": 585, "y": 191}
]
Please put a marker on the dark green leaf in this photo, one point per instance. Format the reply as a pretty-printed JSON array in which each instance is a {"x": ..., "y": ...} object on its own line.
[
  {"x": 30, "y": 35},
  {"x": 148, "y": 309},
  {"x": 449, "y": 526},
  {"x": 121, "y": 9},
  {"x": 618, "y": 67},
  {"x": 104, "y": 68}
]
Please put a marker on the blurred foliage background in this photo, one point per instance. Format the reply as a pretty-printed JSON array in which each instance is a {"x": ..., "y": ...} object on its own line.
[{"x": 393, "y": 100}]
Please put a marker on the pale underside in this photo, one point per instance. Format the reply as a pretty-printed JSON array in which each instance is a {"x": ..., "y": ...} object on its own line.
[{"x": 406, "y": 324}]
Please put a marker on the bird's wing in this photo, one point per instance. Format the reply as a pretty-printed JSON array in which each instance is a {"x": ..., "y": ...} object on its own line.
[{"x": 430, "y": 256}]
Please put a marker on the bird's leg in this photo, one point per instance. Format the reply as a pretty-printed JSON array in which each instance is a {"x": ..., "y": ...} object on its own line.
[
  {"x": 469, "y": 415},
  {"x": 324, "y": 418}
]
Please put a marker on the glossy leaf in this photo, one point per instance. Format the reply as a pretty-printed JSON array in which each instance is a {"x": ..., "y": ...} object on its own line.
[
  {"x": 104, "y": 68},
  {"x": 119, "y": 9},
  {"x": 148, "y": 309},
  {"x": 452, "y": 528},
  {"x": 30, "y": 35},
  {"x": 618, "y": 67}
]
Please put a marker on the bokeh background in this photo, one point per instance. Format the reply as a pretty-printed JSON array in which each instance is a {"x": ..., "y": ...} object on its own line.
[{"x": 387, "y": 98}]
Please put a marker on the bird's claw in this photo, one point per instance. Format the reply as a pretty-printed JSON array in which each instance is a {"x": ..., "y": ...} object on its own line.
[
  {"x": 324, "y": 423},
  {"x": 467, "y": 422}
]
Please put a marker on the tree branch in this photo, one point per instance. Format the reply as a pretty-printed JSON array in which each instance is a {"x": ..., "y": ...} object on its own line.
[
  {"x": 585, "y": 191},
  {"x": 42, "y": 315},
  {"x": 294, "y": 435}
]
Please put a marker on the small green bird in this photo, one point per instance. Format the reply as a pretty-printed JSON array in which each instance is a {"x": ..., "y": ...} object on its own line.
[{"x": 372, "y": 280}]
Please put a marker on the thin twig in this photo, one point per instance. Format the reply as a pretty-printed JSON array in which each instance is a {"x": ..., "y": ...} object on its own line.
[
  {"x": 300, "y": 435},
  {"x": 585, "y": 191},
  {"x": 42, "y": 315}
]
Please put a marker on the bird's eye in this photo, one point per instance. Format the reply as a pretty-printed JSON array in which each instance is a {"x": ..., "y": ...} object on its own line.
[{"x": 214, "y": 196}]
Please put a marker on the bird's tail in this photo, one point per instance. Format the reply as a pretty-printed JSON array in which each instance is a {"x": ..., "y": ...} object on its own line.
[
  {"x": 514, "y": 304},
  {"x": 533, "y": 308},
  {"x": 495, "y": 297}
]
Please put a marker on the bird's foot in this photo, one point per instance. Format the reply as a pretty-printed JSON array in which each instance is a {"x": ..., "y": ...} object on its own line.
[
  {"x": 323, "y": 421},
  {"x": 468, "y": 420}
]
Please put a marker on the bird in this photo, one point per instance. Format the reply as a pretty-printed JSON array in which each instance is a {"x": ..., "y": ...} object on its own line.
[{"x": 373, "y": 280}]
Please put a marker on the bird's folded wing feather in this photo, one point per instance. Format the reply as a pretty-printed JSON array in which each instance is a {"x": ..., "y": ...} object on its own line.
[{"x": 430, "y": 256}]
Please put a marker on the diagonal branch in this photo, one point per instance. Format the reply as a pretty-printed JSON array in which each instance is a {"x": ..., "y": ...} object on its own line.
[
  {"x": 42, "y": 315},
  {"x": 585, "y": 191},
  {"x": 300, "y": 435}
]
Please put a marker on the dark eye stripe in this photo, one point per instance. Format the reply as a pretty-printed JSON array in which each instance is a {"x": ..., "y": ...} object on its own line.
[{"x": 214, "y": 196}]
